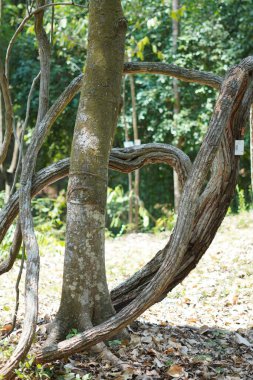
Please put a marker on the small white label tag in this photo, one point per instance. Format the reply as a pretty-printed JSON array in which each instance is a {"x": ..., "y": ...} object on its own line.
[
  {"x": 239, "y": 147},
  {"x": 128, "y": 144}
]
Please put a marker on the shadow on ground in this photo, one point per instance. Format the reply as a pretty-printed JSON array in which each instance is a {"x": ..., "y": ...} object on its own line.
[{"x": 166, "y": 352}]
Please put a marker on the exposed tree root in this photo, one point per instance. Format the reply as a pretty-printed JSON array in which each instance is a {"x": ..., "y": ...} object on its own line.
[{"x": 106, "y": 354}]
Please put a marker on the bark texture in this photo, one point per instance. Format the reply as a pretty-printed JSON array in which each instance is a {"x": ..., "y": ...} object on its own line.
[
  {"x": 176, "y": 107},
  {"x": 26, "y": 220},
  {"x": 136, "y": 137},
  {"x": 85, "y": 299},
  {"x": 201, "y": 210},
  {"x": 4, "y": 85},
  {"x": 251, "y": 146},
  {"x": 123, "y": 160},
  {"x": 231, "y": 107}
]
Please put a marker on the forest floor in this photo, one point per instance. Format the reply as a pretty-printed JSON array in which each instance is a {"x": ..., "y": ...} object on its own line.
[{"x": 202, "y": 330}]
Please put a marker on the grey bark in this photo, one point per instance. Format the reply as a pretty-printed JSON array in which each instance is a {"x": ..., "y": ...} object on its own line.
[
  {"x": 1, "y": 119},
  {"x": 130, "y": 187},
  {"x": 85, "y": 299},
  {"x": 136, "y": 136},
  {"x": 8, "y": 114},
  {"x": 251, "y": 147},
  {"x": 123, "y": 160},
  {"x": 176, "y": 107},
  {"x": 225, "y": 126},
  {"x": 186, "y": 75},
  {"x": 26, "y": 221},
  {"x": 14, "y": 158},
  {"x": 1, "y": 106},
  {"x": 231, "y": 109},
  {"x": 44, "y": 56}
]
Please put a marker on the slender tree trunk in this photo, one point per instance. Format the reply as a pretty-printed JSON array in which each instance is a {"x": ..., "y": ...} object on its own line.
[
  {"x": 1, "y": 104},
  {"x": 44, "y": 53},
  {"x": 1, "y": 138},
  {"x": 137, "y": 172},
  {"x": 130, "y": 190},
  {"x": 251, "y": 146},
  {"x": 14, "y": 158},
  {"x": 130, "y": 187},
  {"x": 1, "y": 109},
  {"x": 6, "y": 179},
  {"x": 85, "y": 299},
  {"x": 1, "y": 119},
  {"x": 176, "y": 109}
]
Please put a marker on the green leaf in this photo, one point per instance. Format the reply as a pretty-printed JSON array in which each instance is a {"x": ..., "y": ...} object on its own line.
[{"x": 177, "y": 14}]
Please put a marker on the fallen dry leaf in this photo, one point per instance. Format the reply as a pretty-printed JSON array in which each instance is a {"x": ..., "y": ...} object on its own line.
[
  {"x": 175, "y": 371},
  {"x": 6, "y": 328},
  {"x": 198, "y": 335},
  {"x": 192, "y": 320},
  {"x": 241, "y": 340}
]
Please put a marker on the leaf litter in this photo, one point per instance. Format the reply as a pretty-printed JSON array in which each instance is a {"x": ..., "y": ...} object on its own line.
[{"x": 202, "y": 330}]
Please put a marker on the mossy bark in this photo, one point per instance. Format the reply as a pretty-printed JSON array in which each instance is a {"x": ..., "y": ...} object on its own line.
[{"x": 85, "y": 299}]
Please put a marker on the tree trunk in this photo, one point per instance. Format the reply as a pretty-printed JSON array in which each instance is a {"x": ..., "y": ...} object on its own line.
[
  {"x": 85, "y": 299},
  {"x": 130, "y": 210},
  {"x": 251, "y": 147},
  {"x": 1, "y": 109},
  {"x": 176, "y": 108},
  {"x": 137, "y": 172}
]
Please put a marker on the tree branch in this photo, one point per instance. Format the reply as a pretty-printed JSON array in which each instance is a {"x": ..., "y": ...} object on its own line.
[
  {"x": 44, "y": 56},
  {"x": 23, "y": 23},
  {"x": 186, "y": 75},
  {"x": 6, "y": 265},
  {"x": 123, "y": 160},
  {"x": 24, "y": 126},
  {"x": 8, "y": 115},
  {"x": 232, "y": 92},
  {"x": 26, "y": 219},
  {"x": 227, "y": 115}
]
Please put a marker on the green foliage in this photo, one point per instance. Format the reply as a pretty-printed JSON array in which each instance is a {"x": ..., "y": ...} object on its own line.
[
  {"x": 27, "y": 370},
  {"x": 241, "y": 199},
  {"x": 164, "y": 223},
  {"x": 73, "y": 332},
  {"x": 176, "y": 15},
  {"x": 117, "y": 212},
  {"x": 7, "y": 241},
  {"x": 49, "y": 213},
  {"x": 240, "y": 202},
  {"x": 6, "y": 350},
  {"x": 117, "y": 207},
  {"x": 114, "y": 343}
]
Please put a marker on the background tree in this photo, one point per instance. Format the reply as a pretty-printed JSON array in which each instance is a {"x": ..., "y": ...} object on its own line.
[{"x": 176, "y": 108}]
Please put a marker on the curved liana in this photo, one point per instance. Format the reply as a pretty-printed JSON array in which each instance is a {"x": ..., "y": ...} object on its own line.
[
  {"x": 123, "y": 160},
  {"x": 202, "y": 208},
  {"x": 216, "y": 153}
]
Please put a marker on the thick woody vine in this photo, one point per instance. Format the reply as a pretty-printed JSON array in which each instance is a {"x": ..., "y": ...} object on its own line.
[{"x": 201, "y": 210}]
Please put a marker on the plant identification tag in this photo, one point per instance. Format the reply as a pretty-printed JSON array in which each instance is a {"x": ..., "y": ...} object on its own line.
[
  {"x": 239, "y": 147},
  {"x": 128, "y": 144}
]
